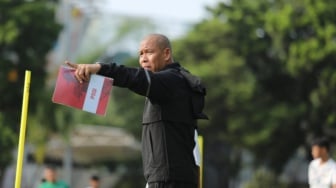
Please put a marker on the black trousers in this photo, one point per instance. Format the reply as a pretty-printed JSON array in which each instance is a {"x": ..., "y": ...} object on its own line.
[{"x": 173, "y": 184}]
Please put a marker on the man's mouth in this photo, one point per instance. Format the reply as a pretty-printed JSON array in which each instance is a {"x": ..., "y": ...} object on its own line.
[{"x": 147, "y": 67}]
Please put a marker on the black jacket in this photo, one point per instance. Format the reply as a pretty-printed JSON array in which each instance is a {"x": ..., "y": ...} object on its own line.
[{"x": 174, "y": 102}]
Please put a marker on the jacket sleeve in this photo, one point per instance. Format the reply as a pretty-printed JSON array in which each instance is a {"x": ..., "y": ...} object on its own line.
[{"x": 160, "y": 86}]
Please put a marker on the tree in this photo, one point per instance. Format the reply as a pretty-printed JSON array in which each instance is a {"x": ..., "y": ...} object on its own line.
[
  {"x": 269, "y": 70},
  {"x": 27, "y": 33},
  {"x": 263, "y": 178}
]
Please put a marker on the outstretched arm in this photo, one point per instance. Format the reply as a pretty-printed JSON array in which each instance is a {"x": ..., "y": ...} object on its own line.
[{"x": 84, "y": 71}]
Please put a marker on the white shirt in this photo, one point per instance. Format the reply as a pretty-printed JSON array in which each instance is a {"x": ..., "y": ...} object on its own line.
[{"x": 322, "y": 175}]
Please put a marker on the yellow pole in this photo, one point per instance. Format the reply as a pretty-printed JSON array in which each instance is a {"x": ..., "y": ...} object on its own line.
[
  {"x": 22, "y": 129},
  {"x": 200, "y": 142}
]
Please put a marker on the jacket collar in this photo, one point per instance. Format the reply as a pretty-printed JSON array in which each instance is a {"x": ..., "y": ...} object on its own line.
[{"x": 172, "y": 65}]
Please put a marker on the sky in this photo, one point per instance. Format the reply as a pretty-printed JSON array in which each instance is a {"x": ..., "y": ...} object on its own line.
[{"x": 178, "y": 10}]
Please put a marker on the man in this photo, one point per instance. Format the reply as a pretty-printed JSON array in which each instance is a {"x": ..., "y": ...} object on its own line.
[
  {"x": 94, "y": 182},
  {"x": 322, "y": 169},
  {"x": 50, "y": 179},
  {"x": 174, "y": 102}
]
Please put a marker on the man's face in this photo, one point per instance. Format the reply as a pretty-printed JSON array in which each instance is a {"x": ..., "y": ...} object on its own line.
[
  {"x": 94, "y": 183},
  {"x": 151, "y": 56},
  {"x": 318, "y": 152},
  {"x": 50, "y": 175}
]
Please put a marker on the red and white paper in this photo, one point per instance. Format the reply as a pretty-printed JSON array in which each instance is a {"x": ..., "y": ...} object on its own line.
[{"x": 92, "y": 96}]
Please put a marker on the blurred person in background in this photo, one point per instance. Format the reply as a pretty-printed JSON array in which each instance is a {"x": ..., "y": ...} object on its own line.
[
  {"x": 94, "y": 182},
  {"x": 50, "y": 179},
  {"x": 322, "y": 169},
  {"x": 174, "y": 102}
]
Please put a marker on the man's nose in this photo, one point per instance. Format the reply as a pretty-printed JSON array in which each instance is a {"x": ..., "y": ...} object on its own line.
[{"x": 144, "y": 59}]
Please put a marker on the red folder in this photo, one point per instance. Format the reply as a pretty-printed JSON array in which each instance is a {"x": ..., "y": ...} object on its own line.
[{"x": 92, "y": 96}]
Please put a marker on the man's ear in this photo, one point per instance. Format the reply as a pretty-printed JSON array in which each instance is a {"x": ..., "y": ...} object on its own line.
[{"x": 167, "y": 54}]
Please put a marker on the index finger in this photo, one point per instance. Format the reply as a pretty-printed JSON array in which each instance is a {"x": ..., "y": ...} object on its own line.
[{"x": 73, "y": 65}]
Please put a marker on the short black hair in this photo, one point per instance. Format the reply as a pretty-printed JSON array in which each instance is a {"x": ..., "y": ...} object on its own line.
[
  {"x": 322, "y": 142},
  {"x": 51, "y": 167},
  {"x": 95, "y": 178}
]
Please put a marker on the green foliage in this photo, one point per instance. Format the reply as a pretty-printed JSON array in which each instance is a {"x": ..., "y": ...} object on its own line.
[
  {"x": 7, "y": 140},
  {"x": 264, "y": 179},
  {"x": 27, "y": 33},
  {"x": 270, "y": 73}
]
